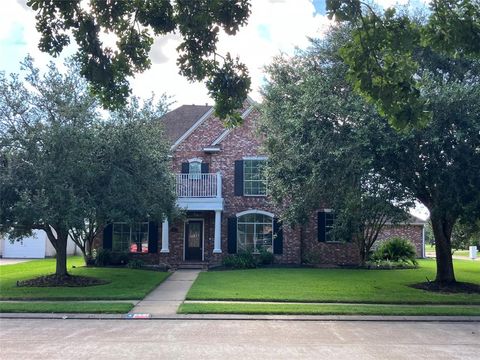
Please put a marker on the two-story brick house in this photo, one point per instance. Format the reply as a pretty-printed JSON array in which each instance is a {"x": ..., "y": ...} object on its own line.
[{"x": 219, "y": 184}]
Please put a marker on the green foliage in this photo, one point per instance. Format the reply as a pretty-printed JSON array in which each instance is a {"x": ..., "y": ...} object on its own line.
[
  {"x": 66, "y": 170},
  {"x": 106, "y": 257},
  {"x": 382, "y": 54},
  {"x": 379, "y": 264},
  {"x": 465, "y": 234},
  {"x": 317, "y": 151},
  {"x": 243, "y": 260},
  {"x": 324, "y": 140},
  {"x": 135, "y": 264},
  {"x": 454, "y": 27},
  {"x": 119, "y": 258},
  {"x": 103, "y": 257},
  {"x": 396, "y": 249},
  {"x": 265, "y": 257},
  {"x": 248, "y": 260},
  {"x": 135, "y": 24}
]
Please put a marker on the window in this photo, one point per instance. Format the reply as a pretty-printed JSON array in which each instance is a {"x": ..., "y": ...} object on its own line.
[
  {"x": 253, "y": 177},
  {"x": 254, "y": 232},
  {"x": 329, "y": 222},
  {"x": 326, "y": 224},
  {"x": 195, "y": 169},
  {"x": 131, "y": 238}
]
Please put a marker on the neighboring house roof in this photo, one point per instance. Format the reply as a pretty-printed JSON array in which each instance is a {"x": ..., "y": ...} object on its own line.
[
  {"x": 411, "y": 220},
  {"x": 177, "y": 122}
]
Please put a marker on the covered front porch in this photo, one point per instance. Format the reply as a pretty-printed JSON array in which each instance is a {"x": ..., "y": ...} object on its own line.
[{"x": 196, "y": 238}]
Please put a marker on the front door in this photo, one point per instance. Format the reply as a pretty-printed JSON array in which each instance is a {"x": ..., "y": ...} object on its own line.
[{"x": 193, "y": 240}]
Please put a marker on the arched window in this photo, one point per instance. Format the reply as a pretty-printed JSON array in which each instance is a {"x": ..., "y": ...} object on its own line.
[
  {"x": 195, "y": 168},
  {"x": 255, "y": 231}
]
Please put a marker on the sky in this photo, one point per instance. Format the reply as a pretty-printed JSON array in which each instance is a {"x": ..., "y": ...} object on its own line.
[{"x": 274, "y": 27}]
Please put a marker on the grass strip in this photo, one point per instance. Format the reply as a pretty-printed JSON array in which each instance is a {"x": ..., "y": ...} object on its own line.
[
  {"x": 65, "y": 307},
  {"x": 304, "y": 309}
]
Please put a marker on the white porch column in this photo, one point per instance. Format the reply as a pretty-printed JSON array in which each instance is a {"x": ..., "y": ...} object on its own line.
[
  {"x": 218, "y": 231},
  {"x": 219, "y": 185},
  {"x": 165, "y": 237}
]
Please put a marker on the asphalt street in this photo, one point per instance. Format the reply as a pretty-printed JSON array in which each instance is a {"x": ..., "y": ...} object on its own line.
[{"x": 234, "y": 339}]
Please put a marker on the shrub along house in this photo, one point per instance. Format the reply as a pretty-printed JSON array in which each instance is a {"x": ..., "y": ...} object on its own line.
[{"x": 220, "y": 186}]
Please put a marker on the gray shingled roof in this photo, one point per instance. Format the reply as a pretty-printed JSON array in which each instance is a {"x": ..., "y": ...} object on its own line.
[{"x": 178, "y": 121}]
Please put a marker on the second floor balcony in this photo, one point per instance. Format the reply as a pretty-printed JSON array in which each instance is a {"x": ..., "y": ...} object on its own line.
[{"x": 199, "y": 191}]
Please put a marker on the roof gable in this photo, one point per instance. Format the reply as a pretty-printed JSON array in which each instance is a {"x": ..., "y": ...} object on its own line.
[
  {"x": 179, "y": 121},
  {"x": 183, "y": 121}
]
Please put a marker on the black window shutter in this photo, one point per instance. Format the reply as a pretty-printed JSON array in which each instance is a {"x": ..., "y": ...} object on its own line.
[
  {"x": 232, "y": 235},
  {"x": 204, "y": 168},
  {"x": 107, "y": 236},
  {"x": 238, "y": 178},
  {"x": 185, "y": 168},
  {"x": 278, "y": 237},
  {"x": 321, "y": 226},
  {"x": 152, "y": 237}
]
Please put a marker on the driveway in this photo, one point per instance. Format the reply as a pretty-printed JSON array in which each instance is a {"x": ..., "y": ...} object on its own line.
[
  {"x": 220, "y": 339},
  {"x": 13, "y": 261}
]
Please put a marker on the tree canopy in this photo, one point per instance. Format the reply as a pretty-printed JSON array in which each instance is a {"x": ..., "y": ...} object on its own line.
[
  {"x": 136, "y": 23},
  {"x": 315, "y": 120},
  {"x": 317, "y": 155},
  {"x": 381, "y": 53},
  {"x": 64, "y": 169}
]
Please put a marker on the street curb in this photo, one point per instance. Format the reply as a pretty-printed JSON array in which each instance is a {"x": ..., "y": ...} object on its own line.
[{"x": 370, "y": 318}]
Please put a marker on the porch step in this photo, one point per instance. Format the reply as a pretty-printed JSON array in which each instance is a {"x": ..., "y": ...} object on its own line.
[{"x": 193, "y": 265}]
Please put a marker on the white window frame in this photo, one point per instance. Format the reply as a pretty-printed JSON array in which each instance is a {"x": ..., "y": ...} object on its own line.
[
  {"x": 253, "y": 158},
  {"x": 329, "y": 228},
  {"x": 255, "y": 212},
  {"x": 195, "y": 175}
]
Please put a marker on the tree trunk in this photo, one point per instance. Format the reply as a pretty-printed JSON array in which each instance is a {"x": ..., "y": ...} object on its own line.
[
  {"x": 61, "y": 268},
  {"x": 58, "y": 239},
  {"x": 442, "y": 230}
]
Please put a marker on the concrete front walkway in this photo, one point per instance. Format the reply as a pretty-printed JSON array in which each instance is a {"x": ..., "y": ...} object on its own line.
[
  {"x": 11, "y": 261},
  {"x": 168, "y": 296}
]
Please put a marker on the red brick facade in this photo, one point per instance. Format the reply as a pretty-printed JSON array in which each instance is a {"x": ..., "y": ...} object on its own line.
[{"x": 299, "y": 244}]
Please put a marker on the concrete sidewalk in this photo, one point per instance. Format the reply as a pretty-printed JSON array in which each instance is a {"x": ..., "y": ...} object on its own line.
[{"x": 168, "y": 296}]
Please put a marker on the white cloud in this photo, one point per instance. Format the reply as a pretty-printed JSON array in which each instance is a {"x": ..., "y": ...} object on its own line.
[
  {"x": 273, "y": 26},
  {"x": 17, "y": 21}
]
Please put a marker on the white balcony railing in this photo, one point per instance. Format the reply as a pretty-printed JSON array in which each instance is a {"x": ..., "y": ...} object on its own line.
[{"x": 199, "y": 185}]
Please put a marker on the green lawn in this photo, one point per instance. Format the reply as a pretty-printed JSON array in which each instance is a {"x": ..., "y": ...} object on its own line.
[
  {"x": 431, "y": 249},
  {"x": 124, "y": 284},
  {"x": 65, "y": 307},
  {"x": 328, "y": 309},
  {"x": 333, "y": 285}
]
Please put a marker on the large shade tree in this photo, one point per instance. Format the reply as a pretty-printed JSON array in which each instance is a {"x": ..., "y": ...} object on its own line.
[
  {"x": 65, "y": 170},
  {"x": 381, "y": 57},
  {"x": 135, "y": 24},
  {"x": 316, "y": 152},
  {"x": 438, "y": 164}
]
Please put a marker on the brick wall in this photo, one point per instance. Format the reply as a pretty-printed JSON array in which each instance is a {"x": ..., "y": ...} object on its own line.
[
  {"x": 298, "y": 244},
  {"x": 240, "y": 142},
  {"x": 414, "y": 233},
  {"x": 313, "y": 251}
]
